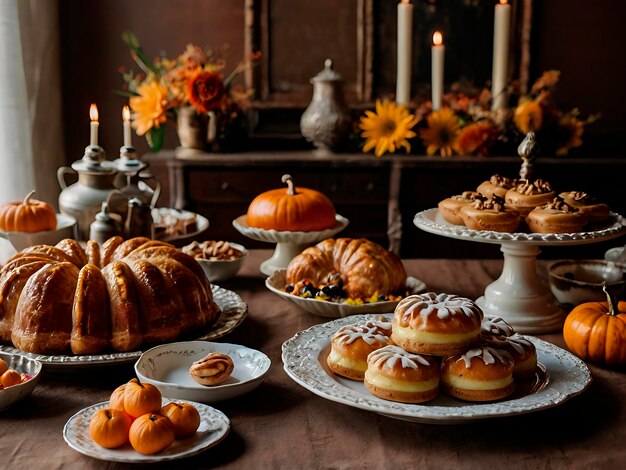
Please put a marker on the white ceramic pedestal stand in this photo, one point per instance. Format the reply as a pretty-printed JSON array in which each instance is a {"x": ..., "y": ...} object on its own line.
[
  {"x": 518, "y": 295},
  {"x": 288, "y": 244}
]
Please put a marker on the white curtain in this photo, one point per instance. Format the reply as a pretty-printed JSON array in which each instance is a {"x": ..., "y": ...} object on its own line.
[{"x": 31, "y": 137}]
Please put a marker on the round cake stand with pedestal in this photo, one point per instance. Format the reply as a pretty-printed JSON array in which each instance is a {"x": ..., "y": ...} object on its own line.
[
  {"x": 288, "y": 244},
  {"x": 519, "y": 296}
]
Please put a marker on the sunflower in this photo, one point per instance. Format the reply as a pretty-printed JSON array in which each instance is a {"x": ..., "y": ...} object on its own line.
[
  {"x": 388, "y": 129},
  {"x": 573, "y": 129},
  {"x": 440, "y": 135},
  {"x": 149, "y": 107},
  {"x": 528, "y": 116},
  {"x": 476, "y": 138}
]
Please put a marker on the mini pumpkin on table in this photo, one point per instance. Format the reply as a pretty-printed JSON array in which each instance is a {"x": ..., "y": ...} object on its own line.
[{"x": 28, "y": 215}]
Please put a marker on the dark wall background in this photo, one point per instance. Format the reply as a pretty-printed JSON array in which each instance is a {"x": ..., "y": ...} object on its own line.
[{"x": 583, "y": 39}]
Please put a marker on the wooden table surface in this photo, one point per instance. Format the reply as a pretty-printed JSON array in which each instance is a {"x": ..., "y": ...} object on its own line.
[{"x": 283, "y": 425}]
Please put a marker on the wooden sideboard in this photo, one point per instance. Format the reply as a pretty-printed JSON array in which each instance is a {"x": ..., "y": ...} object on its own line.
[{"x": 380, "y": 196}]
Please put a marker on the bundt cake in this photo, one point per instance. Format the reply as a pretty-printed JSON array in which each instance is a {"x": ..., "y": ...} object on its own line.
[{"x": 114, "y": 297}]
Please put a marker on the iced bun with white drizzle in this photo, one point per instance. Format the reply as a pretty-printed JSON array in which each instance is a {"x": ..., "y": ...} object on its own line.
[
  {"x": 439, "y": 324},
  {"x": 480, "y": 374},
  {"x": 495, "y": 326},
  {"x": 351, "y": 345},
  {"x": 397, "y": 375},
  {"x": 521, "y": 349}
]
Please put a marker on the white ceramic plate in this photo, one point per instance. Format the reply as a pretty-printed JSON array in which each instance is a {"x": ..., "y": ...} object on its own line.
[
  {"x": 283, "y": 236},
  {"x": 202, "y": 223},
  {"x": 432, "y": 221},
  {"x": 214, "y": 426},
  {"x": 321, "y": 308},
  {"x": 234, "y": 312},
  {"x": 167, "y": 367},
  {"x": 304, "y": 358},
  {"x": 66, "y": 228},
  {"x": 14, "y": 393}
]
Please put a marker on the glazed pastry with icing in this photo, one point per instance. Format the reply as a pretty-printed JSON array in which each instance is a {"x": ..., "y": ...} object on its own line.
[
  {"x": 480, "y": 374},
  {"x": 450, "y": 207},
  {"x": 522, "y": 350},
  {"x": 496, "y": 185},
  {"x": 397, "y": 375},
  {"x": 596, "y": 211},
  {"x": 439, "y": 324},
  {"x": 556, "y": 217},
  {"x": 351, "y": 345},
  {"x": 490, "y": 214},
  {"x": 495, "y": 326},
  {"x": 527, "y": 195}
]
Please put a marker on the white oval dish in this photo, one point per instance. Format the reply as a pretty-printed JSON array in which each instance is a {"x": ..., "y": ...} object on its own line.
[
  {"x": 14, "y": 393},
  {"x": 167, "y": 367},
  {"x": 276, "y": 283},
  {"x": 214, "y": 426},
  {"x": 66, "y": 228}
]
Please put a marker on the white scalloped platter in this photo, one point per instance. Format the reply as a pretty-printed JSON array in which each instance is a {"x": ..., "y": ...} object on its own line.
[
  {"x": 322, "y": 308},
  {"x": 214, "y": 426},
  {"x": 432, "y": 221},
  {"x": 234, "y": 312},
  {"x": 559, "y": 377},
  {"x": 279, "y": 236}
]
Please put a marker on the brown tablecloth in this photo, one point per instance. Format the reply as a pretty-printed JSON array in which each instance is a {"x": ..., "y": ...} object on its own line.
[{"x": 282, "y": 425}]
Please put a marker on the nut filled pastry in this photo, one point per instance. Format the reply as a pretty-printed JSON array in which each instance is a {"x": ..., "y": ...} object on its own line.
[{"x": 212, "y": 369}]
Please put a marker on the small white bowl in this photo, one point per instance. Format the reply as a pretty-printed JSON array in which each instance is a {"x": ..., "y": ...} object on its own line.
[
  {"x": 14, "y": 393},
  {"x": 167, "y": 367},
  {"x": 576, "y": 281},
  {"x": 222, "y": 270},
  {"x": 66, "y": 228}
]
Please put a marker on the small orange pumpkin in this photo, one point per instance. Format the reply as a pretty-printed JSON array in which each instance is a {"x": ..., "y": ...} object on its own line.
[
  {"x": 10, "y": 377},
  {"x": 141, "y": 398},
  {"x": 299, "y": 210},
  {"x": 184, "y": 418},
  {"x": 117, "y": 398},
  {"x": 151, "y": 433},
  {"x": 109, "y": 428},
  {"x": 29, "y": 215},
  {"x": 4, "y": 366},
  {"x": 596, "y": 331}
]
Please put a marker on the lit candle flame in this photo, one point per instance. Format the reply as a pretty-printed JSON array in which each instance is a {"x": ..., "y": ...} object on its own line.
[
  {"x": 126, "y": 114},
  {"x": 437, "y": 38},
  {"x": 93, "y": 113},
  {"x": 503, "y": 2}
]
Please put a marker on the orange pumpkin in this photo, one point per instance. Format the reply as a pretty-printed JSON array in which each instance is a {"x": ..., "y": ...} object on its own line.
[
  {"x": 184, "y": 418},
  {"x": 151, "y": 433},
  {"x": 596, "y": 331},
  {"x": 10, "y": 377},
  {"x": 109, "y": 428},
  {"x": 297, "y": 210},
  {"x": 141, "y": 398},
  {"x": 29, "y": 215},
  {"x": 117, "y": 398},
  {"x": 3, "y": 366}
]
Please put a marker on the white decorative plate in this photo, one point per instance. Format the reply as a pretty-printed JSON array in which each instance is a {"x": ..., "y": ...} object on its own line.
[
  {"x": 167, "y": 367},
  {"x": 432, "y": 221},
  {"x": 214, "y": 426},
  {"x": 201, "y": 222},
  {"x": 234, "y": 312},
  {"x": 561, "y": 377},
  {"x": 283, "y": 236},
  {"x": 322, "y": 308}
]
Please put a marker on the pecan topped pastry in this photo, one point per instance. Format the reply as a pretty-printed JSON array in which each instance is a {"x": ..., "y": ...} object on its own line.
[
  {"x": 496, "y": 185},
  {"x": 450, "y": 207},
  {"x": 597, "y": 211},
  {"x": 490, "y": 214},
  {"x": 527, "y": 195},
  {"x": 556, "y": 217}
]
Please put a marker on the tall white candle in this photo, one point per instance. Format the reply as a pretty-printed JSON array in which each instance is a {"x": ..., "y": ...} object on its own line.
[
  {"x": 438, "y": 54},
  {"x": 127, "y": 135},
  {"x": 93, "y": 115},
  {"x": 501, "y": 28},
  {"x": 405, "y": 34}
]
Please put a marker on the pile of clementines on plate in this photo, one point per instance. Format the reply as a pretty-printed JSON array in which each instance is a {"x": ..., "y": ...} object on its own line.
[{"x": 135, "y": 415}]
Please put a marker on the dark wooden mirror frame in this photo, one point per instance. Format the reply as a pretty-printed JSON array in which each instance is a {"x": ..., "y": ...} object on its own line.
[{"x": 285, "y": 105}]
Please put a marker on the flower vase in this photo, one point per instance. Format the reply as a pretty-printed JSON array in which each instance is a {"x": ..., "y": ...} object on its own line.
[{"x": 195, "y": 130}]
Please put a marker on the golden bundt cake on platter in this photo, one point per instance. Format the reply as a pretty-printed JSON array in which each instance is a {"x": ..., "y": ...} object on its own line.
[
  {"x": 114, "y": 297},
  {"x": 364, "y": 267}
]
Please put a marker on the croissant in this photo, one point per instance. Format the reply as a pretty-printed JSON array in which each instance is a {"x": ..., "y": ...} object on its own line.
[{"x": 365, "y": 267}]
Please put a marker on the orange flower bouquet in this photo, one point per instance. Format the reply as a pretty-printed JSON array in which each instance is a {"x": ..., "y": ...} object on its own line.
[{"x": 191, "y": 86}]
